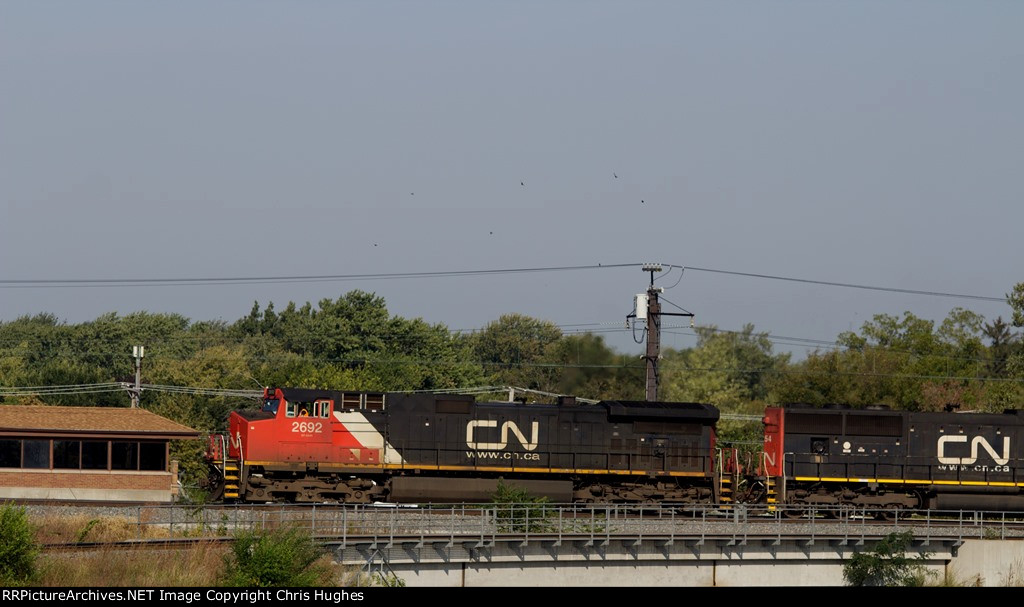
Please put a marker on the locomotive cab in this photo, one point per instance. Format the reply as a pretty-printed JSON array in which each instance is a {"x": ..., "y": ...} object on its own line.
[
  {"x": 320, "y": 409},
  {"x": 303, "y": 445},
  {"x": 292, "y": 425}
]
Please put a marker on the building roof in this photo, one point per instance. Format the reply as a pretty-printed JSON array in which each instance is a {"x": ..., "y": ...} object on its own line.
[{"x": 37, "y": 419}]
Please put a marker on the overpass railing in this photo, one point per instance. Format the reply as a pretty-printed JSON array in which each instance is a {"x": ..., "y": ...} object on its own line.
[{"x": 590, "y": 523}]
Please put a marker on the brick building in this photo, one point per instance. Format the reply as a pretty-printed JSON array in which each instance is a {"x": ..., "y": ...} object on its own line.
[{"x": 87, "y": 453}]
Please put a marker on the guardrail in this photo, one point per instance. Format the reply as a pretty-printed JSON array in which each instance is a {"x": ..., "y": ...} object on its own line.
[{"x": 486, "y": 524}]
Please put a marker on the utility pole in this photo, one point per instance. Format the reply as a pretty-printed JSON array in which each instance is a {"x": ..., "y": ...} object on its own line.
[
  {"x": 648, "y": 308},
  {"x": 138, "y": 352},
  {"x": 653, "y": 336}
]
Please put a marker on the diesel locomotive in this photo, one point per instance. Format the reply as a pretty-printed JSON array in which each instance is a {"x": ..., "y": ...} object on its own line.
[
  {"x": 888, "y": 460},
  {"x": 307, "y": 445}
]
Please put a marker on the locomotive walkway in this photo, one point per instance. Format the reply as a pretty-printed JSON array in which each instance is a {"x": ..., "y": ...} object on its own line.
[{"x": 609, "y": 545}]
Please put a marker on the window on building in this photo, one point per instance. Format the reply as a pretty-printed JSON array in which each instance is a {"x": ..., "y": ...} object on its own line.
[
  {"x": 124, "y": 456},
  {"x": 83, "y": 455},
  {"x": 94, "y": 455},
  {"x": 10, "y": 453},
  {"x": 36, "y": 454},
  {"x": 66, "y": 454},
  {"x": 152, "y": 456}
]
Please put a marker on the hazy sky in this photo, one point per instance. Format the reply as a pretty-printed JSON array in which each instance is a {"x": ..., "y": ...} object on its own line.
[{"x": 877, "y": 143}]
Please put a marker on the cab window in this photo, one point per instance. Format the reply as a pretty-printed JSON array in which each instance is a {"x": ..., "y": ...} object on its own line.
[
  {"x": 291, "y": 409},
  {"x": 270, "y": 405},
  {"x": 322, "y": 408}
]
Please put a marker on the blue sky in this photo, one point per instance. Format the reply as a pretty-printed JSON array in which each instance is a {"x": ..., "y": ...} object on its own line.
[{"x": 875, "y": 143}]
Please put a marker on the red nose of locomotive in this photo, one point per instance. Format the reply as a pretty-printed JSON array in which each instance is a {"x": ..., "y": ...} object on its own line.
[{"x": 774, "y": 437}]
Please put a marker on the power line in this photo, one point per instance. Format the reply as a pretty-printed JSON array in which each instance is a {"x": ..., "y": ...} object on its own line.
[
  {"x": 193, "y": 391},
  {"x": 243, "y": 280},
  {"x": 900, "y": 376},
  {"x": 226, "y": 280},
  {"x": 61, "y": 389},
  {"x": 849, "y": 285}
]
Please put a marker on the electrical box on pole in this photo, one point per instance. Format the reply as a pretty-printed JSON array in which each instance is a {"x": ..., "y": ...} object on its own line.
[{"x": 640, "y": 306}]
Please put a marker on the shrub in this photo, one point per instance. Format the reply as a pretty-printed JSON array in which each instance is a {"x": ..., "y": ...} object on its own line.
[
  {"x": 18, "y": 548},
  {"x": 390, "y": 580},
  {"x": 516, "y": 511},
  {"x": 286, "y": 556},
  {"x": 887, "y": 564}
]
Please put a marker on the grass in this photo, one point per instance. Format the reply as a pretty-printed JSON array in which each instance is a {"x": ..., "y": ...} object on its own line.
[
  {"x": 83, "y": 528},
  {"x": 952, "y": 578},
  {"x": 198, "y": 565},
  {"x": 202, "y": 564}
]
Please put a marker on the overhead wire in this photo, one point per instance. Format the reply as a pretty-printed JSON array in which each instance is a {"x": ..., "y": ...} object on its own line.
[
  {"x": 223, "y": 280},
  {"x": 849, "y": 285}
]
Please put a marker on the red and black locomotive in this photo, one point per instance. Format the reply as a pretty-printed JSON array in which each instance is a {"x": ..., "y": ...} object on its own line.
[
  {"x": 887, "y": 460},
  {"x": 314, "y": 445}
]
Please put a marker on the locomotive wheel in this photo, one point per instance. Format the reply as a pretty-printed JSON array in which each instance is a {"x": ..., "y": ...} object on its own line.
[
  {"x": 836, "y": 513},
  {"x": 793, "y": 513},
  {"x": 888, "y": 515},
  {"x": 216, "y": 492}
]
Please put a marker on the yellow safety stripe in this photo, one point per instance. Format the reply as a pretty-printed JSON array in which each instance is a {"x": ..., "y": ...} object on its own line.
[
  {"x": 900, "y": 481},
  {"x": 478, "y": 468}
]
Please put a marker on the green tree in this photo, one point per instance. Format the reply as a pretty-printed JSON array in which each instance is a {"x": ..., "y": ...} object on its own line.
[
  {"x": 1016, "y": 300},
  {"x": 304, "y": 344},
  {"x": 1002, "y": 344},
  {"x": 513, "y": 350},
  {"x": 591, "y": 369},
  {"x": 1015, "y": 359},
  {"x": 726, "y": 368},
  {"x": 905, "y": 362}
]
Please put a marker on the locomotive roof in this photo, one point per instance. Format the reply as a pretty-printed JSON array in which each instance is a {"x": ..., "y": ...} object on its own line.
[
  {"x": 662, "y": 410},
  {"x": 311, "y": 394},
  {"x": 38, "y": 419},
  {"x": 1009, "y": 416}
]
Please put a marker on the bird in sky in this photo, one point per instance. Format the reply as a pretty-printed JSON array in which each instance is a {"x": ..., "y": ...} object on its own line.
[
  {"x": 521, "y": 183},
  {"x": 641, "y": 202},
  {"x": 615, "y": 176}
]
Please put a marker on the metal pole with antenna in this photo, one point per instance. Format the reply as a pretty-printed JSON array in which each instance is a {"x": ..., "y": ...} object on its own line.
[{"x": 138, "y": 352}]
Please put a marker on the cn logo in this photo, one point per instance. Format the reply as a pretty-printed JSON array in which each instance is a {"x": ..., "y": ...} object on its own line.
[
  {"x": 505, "y": 429},
  {"x": 975, "y": 443}
]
